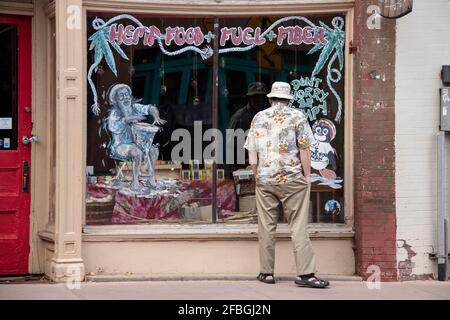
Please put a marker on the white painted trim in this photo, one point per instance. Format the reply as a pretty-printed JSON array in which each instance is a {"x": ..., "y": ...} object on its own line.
[
  {"x": 17, "y": 8},
  {"x": 213, "y": 8}
]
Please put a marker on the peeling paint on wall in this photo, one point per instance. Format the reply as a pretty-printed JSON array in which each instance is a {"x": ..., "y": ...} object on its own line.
[{"x": 406, "y": 266}]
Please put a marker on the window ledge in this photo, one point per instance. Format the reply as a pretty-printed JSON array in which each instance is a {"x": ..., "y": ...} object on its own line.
[{"x": 204, "y": 232}]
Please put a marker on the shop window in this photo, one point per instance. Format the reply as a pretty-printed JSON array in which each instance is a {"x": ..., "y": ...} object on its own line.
[{"x": 150, "y": 164}]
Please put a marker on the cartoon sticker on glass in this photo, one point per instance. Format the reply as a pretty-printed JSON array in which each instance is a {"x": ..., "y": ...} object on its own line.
[
  {"x": 332, "y": 207},
  {"x": 323, "y": 155}
]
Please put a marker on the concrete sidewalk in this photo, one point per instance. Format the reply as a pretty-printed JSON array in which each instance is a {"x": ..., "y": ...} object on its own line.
[{"x": 226, "y": 290}]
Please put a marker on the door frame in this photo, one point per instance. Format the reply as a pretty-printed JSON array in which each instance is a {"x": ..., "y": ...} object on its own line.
[{"x": 24, "y": 128}]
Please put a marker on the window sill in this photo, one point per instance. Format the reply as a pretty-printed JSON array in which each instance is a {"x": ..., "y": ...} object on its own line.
[
  {"x": 205, "y": 232},
  {"x": 47, "y": 234}
]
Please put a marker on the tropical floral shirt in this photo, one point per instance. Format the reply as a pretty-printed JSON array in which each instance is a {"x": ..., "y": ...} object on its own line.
[{"x": 277, "y": 134}]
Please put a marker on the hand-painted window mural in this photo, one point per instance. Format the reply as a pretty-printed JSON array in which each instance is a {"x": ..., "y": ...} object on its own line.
[{"x": 150, "y": 113}]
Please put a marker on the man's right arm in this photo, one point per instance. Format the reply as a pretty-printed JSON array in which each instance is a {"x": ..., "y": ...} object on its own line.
[
  {"x": 253, "y": 159},
  {"x": 250, "y": 145}
]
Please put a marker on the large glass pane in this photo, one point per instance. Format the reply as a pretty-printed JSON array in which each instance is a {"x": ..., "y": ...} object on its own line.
[
  {"x": 317, "y": 80},
  {"x": 8, "y": 87},
  {"x": 122, "y": 154}
]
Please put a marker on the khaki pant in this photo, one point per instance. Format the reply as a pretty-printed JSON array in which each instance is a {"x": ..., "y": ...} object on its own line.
[{"x": 294, "y": 197}]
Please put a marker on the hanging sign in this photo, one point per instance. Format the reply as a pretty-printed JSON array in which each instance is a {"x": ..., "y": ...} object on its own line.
[{"x": 394, "y": 9}]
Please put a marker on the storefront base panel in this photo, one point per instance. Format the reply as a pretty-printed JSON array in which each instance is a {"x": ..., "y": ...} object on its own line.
[{"x": 191, "y": 259}]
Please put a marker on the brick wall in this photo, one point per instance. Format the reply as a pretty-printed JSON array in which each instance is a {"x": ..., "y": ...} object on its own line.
[
  {"x": 419, "y": 58},
  {"x": 374, "y": 148}
]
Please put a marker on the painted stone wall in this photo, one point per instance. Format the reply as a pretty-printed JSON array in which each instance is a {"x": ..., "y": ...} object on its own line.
[{"x": 419, "y": 59}]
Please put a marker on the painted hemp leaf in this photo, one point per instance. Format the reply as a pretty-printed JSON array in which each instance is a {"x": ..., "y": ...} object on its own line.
[{"x": 334, "y": 47}]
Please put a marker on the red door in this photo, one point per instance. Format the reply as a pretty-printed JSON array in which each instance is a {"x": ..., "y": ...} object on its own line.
[{"x": 15, "y": 156}]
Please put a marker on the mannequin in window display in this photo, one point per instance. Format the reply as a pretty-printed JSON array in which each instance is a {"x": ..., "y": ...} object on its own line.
[
  {"x": 256, "y": 101},
  {"x": 242, "y": 118},
  {"x": 131, "y": 137}
]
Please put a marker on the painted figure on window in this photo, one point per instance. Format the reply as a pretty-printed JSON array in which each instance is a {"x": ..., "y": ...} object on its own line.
[
  {"x": 323, "y": 155},
  {"x": 132, "y": 138}
]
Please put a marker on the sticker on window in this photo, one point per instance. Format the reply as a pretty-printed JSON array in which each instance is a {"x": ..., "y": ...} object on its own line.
[{"x": 5, "y": 123}]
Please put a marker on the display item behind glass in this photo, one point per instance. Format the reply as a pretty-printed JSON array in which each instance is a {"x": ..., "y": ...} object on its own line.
[{"x": 242, "y": 118}]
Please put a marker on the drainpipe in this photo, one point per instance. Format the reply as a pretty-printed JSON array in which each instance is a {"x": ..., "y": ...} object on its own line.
[{"x": 441, "y": 208}]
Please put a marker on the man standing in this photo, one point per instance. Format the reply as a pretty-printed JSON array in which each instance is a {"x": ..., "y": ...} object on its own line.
[{"x": 278, "y": 143}]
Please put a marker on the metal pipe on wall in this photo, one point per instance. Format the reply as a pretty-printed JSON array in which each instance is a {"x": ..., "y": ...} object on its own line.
[{"x": 441, "y": 207}]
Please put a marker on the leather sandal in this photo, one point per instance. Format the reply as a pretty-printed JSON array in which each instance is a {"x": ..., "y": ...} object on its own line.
[
  {"x": 312, "y": 281},
  {"x": 266, "y": 278}
]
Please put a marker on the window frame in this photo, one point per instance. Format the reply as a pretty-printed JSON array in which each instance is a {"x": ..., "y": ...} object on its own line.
[{"x": 209, "y": 9}]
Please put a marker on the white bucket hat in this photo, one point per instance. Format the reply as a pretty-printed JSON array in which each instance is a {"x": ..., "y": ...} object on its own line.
[{"x": 281, "y": 90}]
